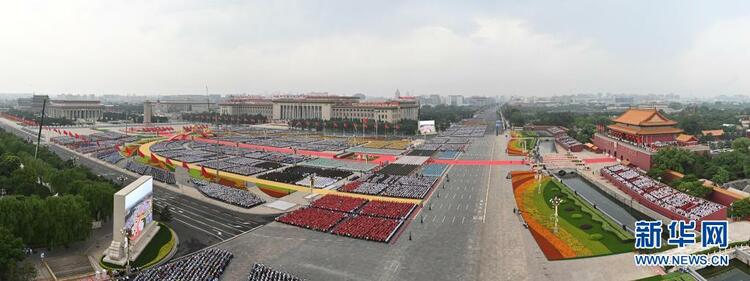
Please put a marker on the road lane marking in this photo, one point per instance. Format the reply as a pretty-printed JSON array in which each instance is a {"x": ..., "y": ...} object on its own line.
[
  {"x": 198, "y": 228},
  {"x": 489, "y": 180}
]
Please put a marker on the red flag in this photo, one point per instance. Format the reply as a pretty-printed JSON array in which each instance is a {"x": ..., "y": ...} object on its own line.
[
  {"x": 185, "y": 165},
  {"x": 140, "y": 153},
  {"x": 169, "y": 162},
  {"x": 204, "y": 173},
  {"x": 154, "y": 159}
]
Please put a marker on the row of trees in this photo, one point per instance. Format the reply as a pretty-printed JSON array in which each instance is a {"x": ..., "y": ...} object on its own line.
[
  {"x": 47, "y": 120},
  {"x": 11, "y": 255},
  {"x": 695, "y": 119},
  {"x": 444, "y": 115},
  {"x": 722, "y": 168},
  {"x": 30, "y": 185},
  {"x": 53, "y": 221},
  {"x": 215, "y": 117},
  {"x": 582, "y": 125},
  {"x": 403, "y": 127},
  {"x": 48, "y": 202}
]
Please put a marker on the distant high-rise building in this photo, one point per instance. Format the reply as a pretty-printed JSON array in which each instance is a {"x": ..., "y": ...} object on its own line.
[{"x": 457, "y": 100}]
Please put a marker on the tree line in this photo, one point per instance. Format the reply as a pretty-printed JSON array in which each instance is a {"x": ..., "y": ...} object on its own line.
[
  {"x": 38, "y": 118},
  {"x": 720, "y": 169},
  {"x": 582, "y": 126},
  {"x": 444, "y": 115},
  {"x": 47, "y": 202}
]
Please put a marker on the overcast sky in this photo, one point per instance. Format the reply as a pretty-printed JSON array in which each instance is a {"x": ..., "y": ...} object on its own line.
[{"x": 374, "y": 47}]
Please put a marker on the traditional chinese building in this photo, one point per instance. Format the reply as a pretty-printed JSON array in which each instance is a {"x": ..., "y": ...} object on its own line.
[{"x": 636, "y": 135}]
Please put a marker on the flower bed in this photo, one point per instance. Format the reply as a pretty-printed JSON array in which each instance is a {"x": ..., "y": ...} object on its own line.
[{"x": 582, "y": 231}]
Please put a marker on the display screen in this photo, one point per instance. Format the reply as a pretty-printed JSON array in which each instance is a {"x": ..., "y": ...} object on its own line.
[
  {"x": 427, "y": 127},
  {"x": 138, "y": 208}
]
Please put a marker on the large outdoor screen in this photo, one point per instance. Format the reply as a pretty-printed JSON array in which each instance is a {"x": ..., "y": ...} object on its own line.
[
  {"x": 427, "y": 127},
  {"x": 138, "y": 205}
]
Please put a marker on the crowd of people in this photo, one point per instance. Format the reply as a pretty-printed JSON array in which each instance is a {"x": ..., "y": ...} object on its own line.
[
  {"x": 296, "y": 142},
  {"x": 391, "y": 210},
  {"x": 296, "y": 173},
  {"x": 262, "y": 272},
  {"x": 569, "y": 143},
  {"x": 206, "y": 265},
  {"x": 339, "y": 203},
  {"x": 411, "y": 187},
  {"x": 93, "y": 143},
  {"x": 464, "y": 131},
  {"x": 111, "y": 156},
  {"x": 659, "y": 194},
  {"x": 367, "y": 227},
  {"x": 317, "y": 182},
  {"x": 158, "y": 174},
  {"x": 414, "y": 186},
  {"x": 398, "y": 169},
  {"x": 313, "y": 218},
  {"x": 351, "y": 217},
  {"x": 228, "y": 194}
]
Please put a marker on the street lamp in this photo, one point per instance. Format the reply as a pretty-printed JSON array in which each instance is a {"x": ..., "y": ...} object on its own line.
[
  {"x": 556, "y": 202},
  {"x": 127, "y": 234}
]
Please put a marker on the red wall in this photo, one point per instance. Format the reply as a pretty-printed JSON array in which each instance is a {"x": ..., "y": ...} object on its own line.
[{"x": 636, "y": 157}]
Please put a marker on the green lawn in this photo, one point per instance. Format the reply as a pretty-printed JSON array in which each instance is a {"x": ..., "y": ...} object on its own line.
[
  {"x": 530, "y": 143},
  {"x": 589, "y": 226}
]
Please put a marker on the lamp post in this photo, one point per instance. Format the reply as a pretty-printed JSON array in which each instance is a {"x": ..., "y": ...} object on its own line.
[
  {"x": 127, "y": 233},
  {"x": 538, "y": 178},
  {"x": 556, "y": 201}
]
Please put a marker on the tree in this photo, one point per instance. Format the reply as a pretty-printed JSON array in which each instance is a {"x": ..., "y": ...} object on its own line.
[
  {"x": 740, "y": 209},
  {"x": 741, "y": 145},
  {"x": 721, "y": 176},
  {"x": 675, "y": 159},
  {"x": 11, "y": 253},
  {"x": 694, "y": 188},
  {"x": 9, "y": 163}
]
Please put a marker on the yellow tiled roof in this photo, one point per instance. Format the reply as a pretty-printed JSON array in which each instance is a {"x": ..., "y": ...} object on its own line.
[
  {"x": 644, "y": 117},
  {"x": 715, "y": 133}
]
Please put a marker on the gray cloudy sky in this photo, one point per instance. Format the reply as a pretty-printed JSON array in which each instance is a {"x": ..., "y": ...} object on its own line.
[{"x": 425, "y": 47}]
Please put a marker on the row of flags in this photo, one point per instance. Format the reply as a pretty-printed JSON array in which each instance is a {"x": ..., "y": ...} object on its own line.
[
  {"x": 23, "y": 120},
  {"x": 151, "y": 129},
  {"x": 67, "y": 133}
]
